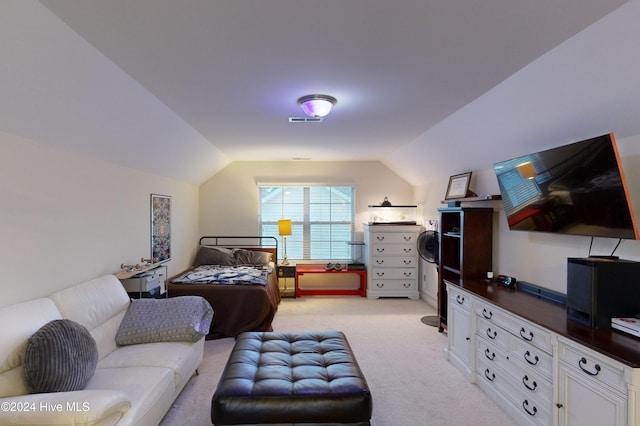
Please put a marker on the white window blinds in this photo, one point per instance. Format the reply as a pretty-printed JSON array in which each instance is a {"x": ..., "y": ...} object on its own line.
[{"x": 322, "y": 220}]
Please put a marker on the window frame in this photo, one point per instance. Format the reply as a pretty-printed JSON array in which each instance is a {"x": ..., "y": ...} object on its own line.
[{"x": 301, "y": 240}]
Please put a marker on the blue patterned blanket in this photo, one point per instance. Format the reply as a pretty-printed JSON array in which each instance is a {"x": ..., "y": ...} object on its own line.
[{"x": 215, "y": 274}]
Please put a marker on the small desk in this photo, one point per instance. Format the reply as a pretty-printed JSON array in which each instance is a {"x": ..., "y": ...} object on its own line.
[
  {"x": 301, "y": 270},
  {"x": 136, "y": 281}
]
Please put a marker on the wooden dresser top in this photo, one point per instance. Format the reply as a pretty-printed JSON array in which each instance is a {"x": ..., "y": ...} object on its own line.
[{"x": 552, "y": 316}]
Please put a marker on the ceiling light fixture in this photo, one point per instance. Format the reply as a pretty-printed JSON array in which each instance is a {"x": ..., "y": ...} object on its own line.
[{"x": 317, "y": 105}]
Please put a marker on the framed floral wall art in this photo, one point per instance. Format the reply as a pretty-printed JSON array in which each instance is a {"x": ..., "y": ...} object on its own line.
[{"x": 160, "y": 228}]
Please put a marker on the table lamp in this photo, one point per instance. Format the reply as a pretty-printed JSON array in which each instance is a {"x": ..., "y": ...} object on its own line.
[{"x": 284, "y": 229}]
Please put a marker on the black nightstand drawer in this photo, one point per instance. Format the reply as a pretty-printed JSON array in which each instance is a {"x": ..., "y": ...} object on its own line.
[{"x": 288, "y": 271}]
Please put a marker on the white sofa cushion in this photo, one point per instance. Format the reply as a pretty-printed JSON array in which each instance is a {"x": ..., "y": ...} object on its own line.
[
  {"x": 93, "y": 407},
  {"x": 99, "y": 305},
  {"x": 181, "y": 357},
  {"x": 17, "y": 323},
  {"x": 150, "y": 389}
]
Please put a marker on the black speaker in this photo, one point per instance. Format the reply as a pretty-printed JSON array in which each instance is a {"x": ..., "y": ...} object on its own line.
[{"x": 599, "y": 289}]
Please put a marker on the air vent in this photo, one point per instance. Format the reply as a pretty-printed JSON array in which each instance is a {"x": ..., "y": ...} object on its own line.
[{"x": 305, "y": 119}]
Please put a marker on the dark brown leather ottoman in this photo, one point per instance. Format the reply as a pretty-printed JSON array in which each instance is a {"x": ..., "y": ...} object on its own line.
[{"x": 301, "y": 378}]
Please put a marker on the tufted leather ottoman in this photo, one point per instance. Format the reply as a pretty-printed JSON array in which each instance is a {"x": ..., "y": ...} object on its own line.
[{"x": 291, "y": 378}]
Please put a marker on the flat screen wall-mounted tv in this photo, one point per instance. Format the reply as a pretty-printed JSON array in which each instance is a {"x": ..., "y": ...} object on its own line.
[{"x": 576, "y": 189}]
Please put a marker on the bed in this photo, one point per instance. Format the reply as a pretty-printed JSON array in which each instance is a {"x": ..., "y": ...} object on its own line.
[{"x": 237, "y": 276}]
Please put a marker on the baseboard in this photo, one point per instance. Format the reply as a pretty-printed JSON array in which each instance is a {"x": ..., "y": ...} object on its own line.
[{"x": 429, "y": 299}]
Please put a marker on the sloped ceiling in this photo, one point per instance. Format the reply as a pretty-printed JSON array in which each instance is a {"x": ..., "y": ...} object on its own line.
[{"x": 195, "y": 84}]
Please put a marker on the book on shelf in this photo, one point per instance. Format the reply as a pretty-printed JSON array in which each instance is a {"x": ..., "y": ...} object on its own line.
[{"x": 628, "y": 325}]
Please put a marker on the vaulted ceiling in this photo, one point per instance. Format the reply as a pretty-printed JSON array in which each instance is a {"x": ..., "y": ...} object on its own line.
[{"x": 221, "y": 77}]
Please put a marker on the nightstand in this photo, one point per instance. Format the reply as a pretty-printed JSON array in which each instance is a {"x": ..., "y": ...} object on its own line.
[{"x": 287, "y": 280}]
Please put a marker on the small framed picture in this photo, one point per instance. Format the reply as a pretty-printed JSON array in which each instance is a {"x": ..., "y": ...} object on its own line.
[{"x": 458, "y": 186}]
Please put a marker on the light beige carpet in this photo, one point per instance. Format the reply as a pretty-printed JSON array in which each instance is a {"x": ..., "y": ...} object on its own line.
[{"x": 410, "y": 381}]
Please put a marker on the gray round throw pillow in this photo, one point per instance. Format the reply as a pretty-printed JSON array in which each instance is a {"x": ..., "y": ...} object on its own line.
[{"x": 61, "y": 356}]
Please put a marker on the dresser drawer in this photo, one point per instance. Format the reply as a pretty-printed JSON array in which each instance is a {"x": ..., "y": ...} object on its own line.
[
  {"x": 531, "y": 357},
  {"x": 519, "y": 327},
  {"x": 490, "y": 353},
  {"x": 594, "y": 366},
  {"x": 392, "y": 285},
  {"x": 459, "y": 298},
  {"x": 394, "y": 249},
  {"x": 530, "y": 382},
  {"x": 394, "y": 237},
  {"x": 394, "y": 273},
  {"x": 526, "y": 409},
  {"x": 395, "y": 262},
  {"x": 492, "y": 334}
]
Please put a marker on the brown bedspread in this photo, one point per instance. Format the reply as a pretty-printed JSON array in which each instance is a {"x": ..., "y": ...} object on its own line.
[{"x": 236, "y": 308}]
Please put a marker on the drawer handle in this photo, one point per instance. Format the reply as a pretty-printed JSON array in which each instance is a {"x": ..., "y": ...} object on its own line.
[
  {"x": 525, "y": 404},
  {"x": 408, "y": 262},
  {"x": 524, "y": 336},
  {"x": 490, "y": 355},
  {"x": 380, "y": 274},
  {"x": 408, "y": 250},
  {"x": 407, "y": 237},
  {"x": 584, "y": 361},
  {"x": 487, "y": 314},
  {"x": 408, "y": 274},
  {"x": 491, "y": 377},
  {"x": 379, "y": 285},
  {"x": 406, "y": 285},
  {"x": 525, "y": 379},
  {"x": 379, "y": 250},
  {"x": 379, "y": 261},
  {"x": 459, "y": 299},
  {"x": 489, "y": 335},
  {"x": 379, "y": 238},
  {"x": 527, "y": 355}
]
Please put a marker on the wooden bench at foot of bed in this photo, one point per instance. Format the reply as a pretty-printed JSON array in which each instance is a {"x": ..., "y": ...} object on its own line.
[{"x": 302, "y": 270}]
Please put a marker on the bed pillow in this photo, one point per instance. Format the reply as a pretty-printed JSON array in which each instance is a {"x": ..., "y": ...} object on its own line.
[
  {"x": 251, "y": 257},
  {"x": 214, "y": 256},
  {"x": 176, "y": 319},
  {"x": 60, "y": 357}
]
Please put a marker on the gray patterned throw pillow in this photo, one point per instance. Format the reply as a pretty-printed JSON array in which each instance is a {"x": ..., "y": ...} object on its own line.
[{"x": 176, "y": 319}]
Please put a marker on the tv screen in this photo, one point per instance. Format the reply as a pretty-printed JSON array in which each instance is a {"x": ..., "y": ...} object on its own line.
[{"x": 574, "y": 189}]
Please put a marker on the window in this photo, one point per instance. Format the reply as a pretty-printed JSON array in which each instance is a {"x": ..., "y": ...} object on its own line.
[{"x": 322, "y": 220}]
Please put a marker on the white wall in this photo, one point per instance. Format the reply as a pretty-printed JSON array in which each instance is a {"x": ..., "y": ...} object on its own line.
[
  {"x": 539, "y": 258},
  {"x": 65, "y": 218},
  {"x": 58, "y": 89},
  {"x": 229, "y": 200}
]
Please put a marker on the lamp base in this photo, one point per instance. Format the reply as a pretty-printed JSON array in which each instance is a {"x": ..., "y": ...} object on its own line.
[{"x": 285, "y": 262}]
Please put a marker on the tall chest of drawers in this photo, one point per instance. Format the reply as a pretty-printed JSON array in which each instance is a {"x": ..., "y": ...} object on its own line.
[{"x": 391, "y": 257}]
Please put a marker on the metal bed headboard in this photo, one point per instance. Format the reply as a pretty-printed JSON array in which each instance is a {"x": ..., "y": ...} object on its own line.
[{"x": 240, "y": 241}]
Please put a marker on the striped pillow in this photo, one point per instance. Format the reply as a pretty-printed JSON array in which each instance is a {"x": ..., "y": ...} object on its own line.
[{"x": 61, "y": 356}]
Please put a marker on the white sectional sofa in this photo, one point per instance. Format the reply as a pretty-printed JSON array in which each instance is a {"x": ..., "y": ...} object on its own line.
[{"x": 132, "y": 385}]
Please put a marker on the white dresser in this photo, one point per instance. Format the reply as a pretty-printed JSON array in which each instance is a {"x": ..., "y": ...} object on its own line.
[
  {"x": 541, "y": 369},
  {"x": 391, "y": 257}
]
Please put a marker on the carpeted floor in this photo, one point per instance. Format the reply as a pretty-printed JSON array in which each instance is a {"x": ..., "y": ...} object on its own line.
[{"x": 402, "y": 358}]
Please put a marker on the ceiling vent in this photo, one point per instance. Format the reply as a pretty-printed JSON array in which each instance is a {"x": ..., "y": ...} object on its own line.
[{"x": 305, "y": 119}]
